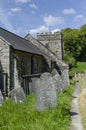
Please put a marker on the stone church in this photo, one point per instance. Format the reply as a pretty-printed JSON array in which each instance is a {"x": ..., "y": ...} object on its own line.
[{"x": 21, "y": 59}]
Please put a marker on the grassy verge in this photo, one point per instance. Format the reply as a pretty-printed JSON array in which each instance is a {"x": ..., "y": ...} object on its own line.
[
  {"x": 25, "y": 117},
  {"x": 82, "y": 101},
  {"x": 80, "y": 68}
]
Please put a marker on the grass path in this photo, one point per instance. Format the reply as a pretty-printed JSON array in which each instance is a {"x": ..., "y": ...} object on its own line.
[
  {"x": 82, "y": 99},
  {"x": 76, "y": 123}
]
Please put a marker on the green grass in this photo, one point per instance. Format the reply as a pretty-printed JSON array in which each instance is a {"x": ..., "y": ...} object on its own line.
[
  {"x": 25, "y": 117},
  {"x": 80, "y": 68},
  {"x": 82, "y": 100}
]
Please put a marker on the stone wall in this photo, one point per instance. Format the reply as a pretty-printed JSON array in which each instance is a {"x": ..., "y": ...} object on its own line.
[
  {"x": 18, "y": 63},
  {"x": 52, "y": 45},
  {"x": 48, "y": 54},
  {"x": 4, "y": 59},
  {"x": 23, "y": 63},
  {"x": 54, "y": 42}
]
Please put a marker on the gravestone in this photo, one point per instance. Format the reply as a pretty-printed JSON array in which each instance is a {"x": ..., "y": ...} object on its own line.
[
  {"x": 32, "y": 84},
  {"x": 65, "y": 76},
  {"x": 85, "y": 74},
  {"x": 17, "y": 95},
  {"x": 1, "y": 98},
  {"x": 45, "y": 90},
  {"x": 58, "y": 80}
]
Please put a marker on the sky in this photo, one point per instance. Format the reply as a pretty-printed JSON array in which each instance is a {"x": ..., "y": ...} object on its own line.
[{"x": 40, "y": 16}]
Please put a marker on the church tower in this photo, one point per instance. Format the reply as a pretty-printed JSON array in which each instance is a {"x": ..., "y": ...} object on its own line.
[{"x": 54, "y": 42}]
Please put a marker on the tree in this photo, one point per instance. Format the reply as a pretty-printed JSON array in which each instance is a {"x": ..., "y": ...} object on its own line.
[
  {"x": 83, "y": 42},
  {"x": 72, "y": 42}
]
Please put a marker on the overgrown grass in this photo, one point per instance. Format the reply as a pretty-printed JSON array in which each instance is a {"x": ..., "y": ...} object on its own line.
[
  {"x": 25, "y": 117},
  {"x": 80, "y": 68},
  {"x": 82, "y": 100}
]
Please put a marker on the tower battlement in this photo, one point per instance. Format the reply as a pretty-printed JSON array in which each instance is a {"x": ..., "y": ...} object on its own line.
[
  {"x": 49, "y": 35},
  {"x": 53, "y": 41}
]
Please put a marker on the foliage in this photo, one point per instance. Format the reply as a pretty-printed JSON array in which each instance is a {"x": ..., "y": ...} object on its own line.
[
  {"x": 80, "y": 68},
  {"x": 70, "y": 61},
  {"x": 72, "y": 42},
  {"x": 75, "y": 42},
  {"x": 24, "y": 116},
  {"x": 75, "y": 48},
  {"x": 83, "y": 42}
]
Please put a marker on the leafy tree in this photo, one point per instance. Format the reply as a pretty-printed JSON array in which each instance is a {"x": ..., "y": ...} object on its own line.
[
  {"x": 71, "y": 61},
  {"x": 74, "y": 47},
  {"x": 83, "y": 42},
  {"x": 72, "y": 42}
]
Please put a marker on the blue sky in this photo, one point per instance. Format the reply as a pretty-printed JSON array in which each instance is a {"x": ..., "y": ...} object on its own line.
[{"x": 37, "y": 16}]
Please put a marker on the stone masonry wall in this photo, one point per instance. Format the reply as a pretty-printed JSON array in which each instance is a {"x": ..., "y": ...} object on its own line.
[
  {"x": 4, "y": 59},
  {"x": 49, "y": 54},
  {"x": 45, "y": 42},
  {"x": 53, "y": 42},
  {"x": 21, "y": 64}
]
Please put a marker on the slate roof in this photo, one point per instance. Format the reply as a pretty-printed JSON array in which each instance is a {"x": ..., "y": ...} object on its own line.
[{"x": 19, "y": 43}]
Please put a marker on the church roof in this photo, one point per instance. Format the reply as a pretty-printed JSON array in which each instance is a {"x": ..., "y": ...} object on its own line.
[{"x": 19, "y": 43}]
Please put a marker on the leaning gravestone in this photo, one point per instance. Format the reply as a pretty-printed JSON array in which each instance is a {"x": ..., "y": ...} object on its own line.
[
  {"x": 1, "y": 98},
  {"x": 57, "y": 80},
  {"x": 17, "y": 95},
  {"x": 45, "y": 90}
]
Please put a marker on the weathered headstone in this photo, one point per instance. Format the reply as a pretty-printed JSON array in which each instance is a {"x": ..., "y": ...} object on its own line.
[
  {"x": 65, "y": 76},
  {"x": 1, "y": 98},
  {"x": 85, "y": 74},
  {"x": 45, "y": 90},
  {"x": 17, "y": 95},
  {"x": 57, "y": 80},
  {"x": 32, "y": 84}
]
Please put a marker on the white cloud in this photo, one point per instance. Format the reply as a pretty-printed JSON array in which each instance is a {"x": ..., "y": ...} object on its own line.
[
  {"x": 51, "y": 20},
  {"x": 33, "y": 6},
  {"x": 79, "y": 18},
  {"x": 69, "y": 11},
  {"x": 17, "y": 9},
  {"x": 39, "y": 30},
  {"x": 22, "y": 1},
  {"x": 4, "y": 19},
  {"x": 55, "y": 30}
]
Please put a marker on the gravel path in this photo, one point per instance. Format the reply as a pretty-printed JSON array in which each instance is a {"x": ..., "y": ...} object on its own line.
[{"x": 76, "y": 123}]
